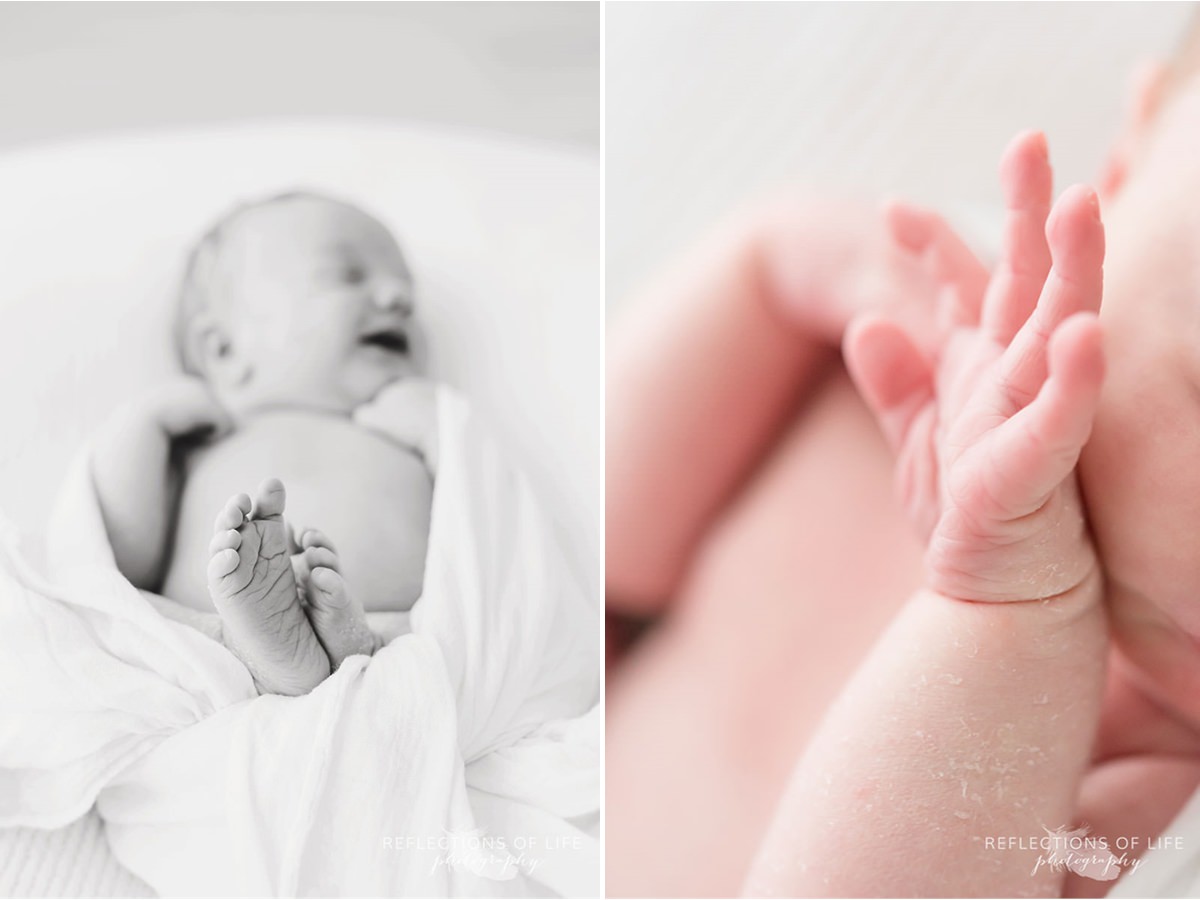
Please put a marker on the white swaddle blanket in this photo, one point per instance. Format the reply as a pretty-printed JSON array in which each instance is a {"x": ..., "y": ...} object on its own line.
[{"x": 462, "y": 759}]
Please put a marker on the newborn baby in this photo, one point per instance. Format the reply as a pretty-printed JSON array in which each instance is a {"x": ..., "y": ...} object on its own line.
[{"x": 295, "y": 311}]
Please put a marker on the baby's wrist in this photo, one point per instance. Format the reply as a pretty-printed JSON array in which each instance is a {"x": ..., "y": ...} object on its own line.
[
  {"x": 1082, "y": 596},
  {"x": 1024, "y": 638}
]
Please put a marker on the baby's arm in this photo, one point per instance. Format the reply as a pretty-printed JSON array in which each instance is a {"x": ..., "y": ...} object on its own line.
[
  {"x": 967, "y": 725},
  {"x": 972, "y": 721},
  {"x": 131, "y": 467}
]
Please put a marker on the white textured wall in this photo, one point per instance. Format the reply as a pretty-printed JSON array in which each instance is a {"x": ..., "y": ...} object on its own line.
[{"x": 709, "y": 102}]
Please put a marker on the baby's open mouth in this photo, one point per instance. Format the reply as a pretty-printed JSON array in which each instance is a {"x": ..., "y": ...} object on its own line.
[{"x": 393, "y": 340}]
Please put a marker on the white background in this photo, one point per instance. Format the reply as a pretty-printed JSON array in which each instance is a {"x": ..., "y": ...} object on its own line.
[
  {"x": 73, "y": 68},
  {"x": 709, "y": 102}
]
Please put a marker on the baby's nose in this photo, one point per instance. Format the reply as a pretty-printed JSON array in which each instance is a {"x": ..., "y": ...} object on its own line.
[{"x": 394, "y": 297}]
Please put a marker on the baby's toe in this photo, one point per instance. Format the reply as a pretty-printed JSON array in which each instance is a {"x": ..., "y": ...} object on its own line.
[
  {"x": 223, "y": 563},
  {"x": 225, "y": 540},
  {"x": 311, "y": 537},
  {"x": 330, "y": 590},
  {"x": 340, "y": 623},
  {"x": 233, "y": 513},
  {"x": 270, "y": 499},
  {"x": 321, "y": 557}
]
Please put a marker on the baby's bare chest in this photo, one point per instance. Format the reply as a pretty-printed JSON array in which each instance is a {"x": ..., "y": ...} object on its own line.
[{"x": 369, "y": 495}]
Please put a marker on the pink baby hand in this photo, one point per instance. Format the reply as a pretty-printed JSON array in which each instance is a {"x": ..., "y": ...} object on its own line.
[
  {"x": 989, "y": 427},
  {"x": 927, "y": 237}
]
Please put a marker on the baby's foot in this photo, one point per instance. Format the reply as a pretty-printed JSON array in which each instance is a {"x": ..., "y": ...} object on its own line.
[
  {"x": 338, "y": 620},
  {"x": 252, "y": 585}
]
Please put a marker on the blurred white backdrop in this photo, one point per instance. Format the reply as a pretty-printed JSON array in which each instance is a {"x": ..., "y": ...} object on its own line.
[
  {"x": 707, "y": 103},
  {"x": 73, "y": 68}
]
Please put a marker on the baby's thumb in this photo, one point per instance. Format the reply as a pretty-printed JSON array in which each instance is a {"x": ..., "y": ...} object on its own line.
[{"x": 890, "y": 371}]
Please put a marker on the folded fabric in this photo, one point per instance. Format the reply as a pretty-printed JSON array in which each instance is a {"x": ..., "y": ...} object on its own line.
[{"x": 462, "y": 759}]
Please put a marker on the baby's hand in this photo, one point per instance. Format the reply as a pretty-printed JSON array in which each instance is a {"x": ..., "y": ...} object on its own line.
[
  {"x": 989, "y": 430},
  {"x": 131, "y": 468},
  {"x": 181, "y": 407}
]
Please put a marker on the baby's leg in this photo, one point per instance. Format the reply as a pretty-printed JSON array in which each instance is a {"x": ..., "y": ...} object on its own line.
[
  {"x": 712, "y": 364},
  {"x": 252, "y": 585},
  {"x": 337, "y": 618}
]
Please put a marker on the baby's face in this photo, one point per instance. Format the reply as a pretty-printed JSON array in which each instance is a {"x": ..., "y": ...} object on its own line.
[
  {"x": 318, "y": 307},
  {"x": 1141, "y": 469}
]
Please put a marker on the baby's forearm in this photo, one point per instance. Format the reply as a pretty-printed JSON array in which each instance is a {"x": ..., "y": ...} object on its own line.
[
  {"x": 968, "y": 724},
  {"x": 131, "y": 470}
]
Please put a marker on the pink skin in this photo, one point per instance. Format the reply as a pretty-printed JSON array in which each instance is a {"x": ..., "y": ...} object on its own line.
[
  {"x": 729, "y": 669},
  {"x": 988, "y": 431},
  {"x": 982, "y": 432},
  {"x": 698, "y": 530},
  {"x": 1139, "y": 471}
]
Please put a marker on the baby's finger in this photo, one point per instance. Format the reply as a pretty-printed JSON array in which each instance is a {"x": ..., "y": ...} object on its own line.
[
  {"x": 923, "y": 232},
  {"x": 1036, "y": 449},
  {"x": 1028, "y": 183},
  {"x": 1075, "y": 284},
  {"x": 893, "y": 376}
]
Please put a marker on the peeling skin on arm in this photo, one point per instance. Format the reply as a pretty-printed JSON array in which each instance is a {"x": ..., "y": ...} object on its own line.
[{"x": 925, "y": 756}]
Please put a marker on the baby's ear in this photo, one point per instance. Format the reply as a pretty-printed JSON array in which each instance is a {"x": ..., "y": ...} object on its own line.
[
  {"x": 1144, "y": 95},
  {"x": 209, "y": 346}
]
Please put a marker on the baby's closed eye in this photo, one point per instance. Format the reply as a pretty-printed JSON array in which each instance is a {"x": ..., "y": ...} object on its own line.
[
  {"x": 348, "y": 273},
  {"x": 342, "y": 269},
  {"x": 353, "y": 273}
]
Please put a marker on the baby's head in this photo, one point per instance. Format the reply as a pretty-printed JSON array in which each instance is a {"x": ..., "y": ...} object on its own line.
[
  {"x": 1141, "y": 468},
  {"x": 297, "y": 301}
]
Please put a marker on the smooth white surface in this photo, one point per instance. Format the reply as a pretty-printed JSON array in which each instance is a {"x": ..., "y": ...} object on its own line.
[
  {"x": 708, "y": 103},
  {"x": 504, "y": 239}
]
